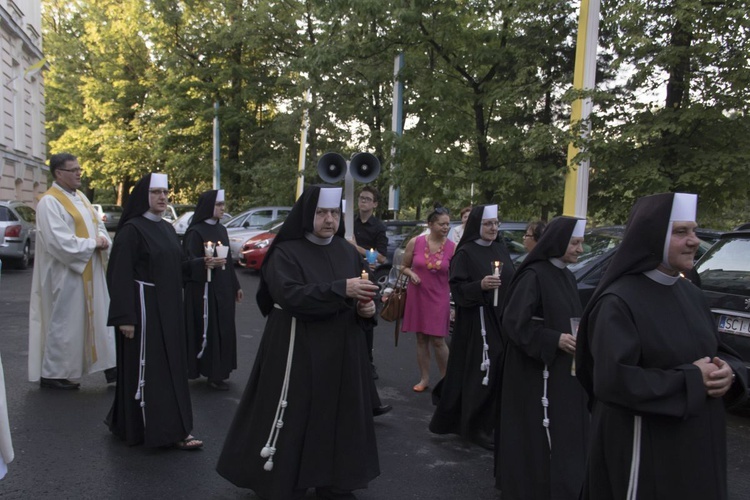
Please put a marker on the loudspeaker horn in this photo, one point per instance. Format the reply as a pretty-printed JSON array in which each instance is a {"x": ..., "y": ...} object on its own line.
[
  {"x": 332, "y": 167},
  {"x": 364, "y": 167}
]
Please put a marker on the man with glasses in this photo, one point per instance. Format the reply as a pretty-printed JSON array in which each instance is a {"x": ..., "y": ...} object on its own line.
[
  {"x": 369, "y": 236},
  {"x": 68, "y": 333}
]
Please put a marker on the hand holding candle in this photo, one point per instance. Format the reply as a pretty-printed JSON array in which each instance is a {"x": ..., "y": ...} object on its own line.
[
  {"x": 221, "y": 252},
  {"x": 498, "y": 265}
]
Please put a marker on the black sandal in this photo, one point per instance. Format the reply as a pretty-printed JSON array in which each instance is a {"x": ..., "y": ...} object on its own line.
[{"x": 189, "y": 443}]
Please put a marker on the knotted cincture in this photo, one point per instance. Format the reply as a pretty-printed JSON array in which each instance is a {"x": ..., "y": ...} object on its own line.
[
  {"x": 269, "y": 450},
  {"x": 545, "y": 405},
  {"x": 140, "y": 393},
  {"x": 205, "y": 319},
  {"x": 485, "y": 366}
]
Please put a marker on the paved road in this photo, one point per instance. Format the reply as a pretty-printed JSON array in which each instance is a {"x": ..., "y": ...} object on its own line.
[{"x": 63, "y": 450}]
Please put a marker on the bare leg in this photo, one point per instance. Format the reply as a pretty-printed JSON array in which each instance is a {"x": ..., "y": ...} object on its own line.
[
  {"x": 441, "y": 354},
  {"x": 423, "y": 361}
]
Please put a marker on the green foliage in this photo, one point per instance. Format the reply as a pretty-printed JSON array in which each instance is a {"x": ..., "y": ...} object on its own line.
[{"x": 133, "y": 83}]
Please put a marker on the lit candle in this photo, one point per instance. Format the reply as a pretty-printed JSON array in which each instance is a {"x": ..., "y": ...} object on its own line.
[
  {"x": 372, "y": 256},
  {"x": 497, "y": 265},
  {"x": 221, "y": 252},
  {"x": 364, "y": 276}
]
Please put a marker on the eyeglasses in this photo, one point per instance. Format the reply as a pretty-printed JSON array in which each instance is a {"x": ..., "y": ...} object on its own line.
[
  {"x": 528, "y": 236},
  {"x": 158, "y": 192},
  {"x": 365, "y": 198},
  {"x": 74, "y": 170},
  {"x": 490, "y": 223}
]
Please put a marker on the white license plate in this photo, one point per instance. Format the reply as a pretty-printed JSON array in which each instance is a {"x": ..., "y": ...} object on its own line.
[{"x": 735, "y": 325}]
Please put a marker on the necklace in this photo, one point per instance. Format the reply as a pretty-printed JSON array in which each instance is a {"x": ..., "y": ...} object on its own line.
[{"x": 434, "y": 263}]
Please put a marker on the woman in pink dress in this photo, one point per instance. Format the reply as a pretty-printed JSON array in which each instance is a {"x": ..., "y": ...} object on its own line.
[{"x": 426, "y": 263}]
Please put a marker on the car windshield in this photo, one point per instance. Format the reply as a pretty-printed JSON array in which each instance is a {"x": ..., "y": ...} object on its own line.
[{"x": 726, "y": 267}]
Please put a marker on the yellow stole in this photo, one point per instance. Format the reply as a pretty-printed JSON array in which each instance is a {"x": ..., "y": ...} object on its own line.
[{"x": 88, "y": 272}]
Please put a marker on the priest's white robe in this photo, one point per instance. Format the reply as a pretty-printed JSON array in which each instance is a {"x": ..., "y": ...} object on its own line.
[
  {"x": 6, "y": 445},
  {"x": 59, "y": 334}
]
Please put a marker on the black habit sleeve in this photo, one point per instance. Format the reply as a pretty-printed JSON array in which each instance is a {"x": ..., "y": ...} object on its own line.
[
  {"x": 121, "y": 277},
  {"x": 618, "y": 378},
  {"x": 528, "y": 334}
]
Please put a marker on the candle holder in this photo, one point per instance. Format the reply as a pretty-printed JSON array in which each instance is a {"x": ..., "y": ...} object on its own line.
[{"x": 221, "y": 252}]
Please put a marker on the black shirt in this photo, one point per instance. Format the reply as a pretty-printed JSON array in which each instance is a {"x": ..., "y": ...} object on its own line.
[{"x": 371, "y": 234}]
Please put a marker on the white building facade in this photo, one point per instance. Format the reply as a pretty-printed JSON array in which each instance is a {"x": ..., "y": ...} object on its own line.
[{"x": 23, "y": 173}]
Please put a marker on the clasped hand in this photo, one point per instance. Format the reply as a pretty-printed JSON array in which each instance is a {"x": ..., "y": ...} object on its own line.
[{"x": 717, "y": 375}]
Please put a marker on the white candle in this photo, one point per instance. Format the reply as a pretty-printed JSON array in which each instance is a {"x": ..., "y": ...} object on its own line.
[
  {"x": 497, "y": 265},
  {"x": 209, "y": 252},
  {"x": 221, "y": 252}
]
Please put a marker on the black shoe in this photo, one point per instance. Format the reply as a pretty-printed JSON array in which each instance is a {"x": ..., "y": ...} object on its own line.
[
  {"x": 484, "y": 440},
  {"x": 218, "y": 385},
  {"x": 374, "y": 372},
  {"x": 111, "y": 374},
  {"x": 381, "y": 410},
  {"x": 58, "y": 383}
]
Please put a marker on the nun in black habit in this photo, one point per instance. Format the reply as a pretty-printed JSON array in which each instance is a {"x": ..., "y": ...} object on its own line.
[
  {"x": 209, "y": 305},
  {"x": 466, "y": 398},
  {"x": 544, "y": 420},
  {"x": 305, "y": 419},
  {"x": 652, "y": 362},
  {"x": 145, "y": 274}
]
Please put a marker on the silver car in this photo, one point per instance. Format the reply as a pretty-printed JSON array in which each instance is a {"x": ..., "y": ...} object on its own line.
[{"x": 17, "y": 233}]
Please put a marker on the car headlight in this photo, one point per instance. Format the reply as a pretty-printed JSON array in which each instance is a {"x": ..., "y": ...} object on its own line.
[{"x": 263, "y": 243}]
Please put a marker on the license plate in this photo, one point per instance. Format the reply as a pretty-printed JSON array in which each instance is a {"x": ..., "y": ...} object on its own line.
[{"x": 734, "y": 325}]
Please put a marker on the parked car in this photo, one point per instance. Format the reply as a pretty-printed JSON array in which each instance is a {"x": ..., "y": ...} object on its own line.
[
  {"x": 183, "y": 221},
  {"x": 239, "y": 237},
  {"x": 18, "y": 230},
  {"x": 255, "y": 218},
  {"x": 109, "y": 214},
  {"x": 255, "y": 249},
  {"x": 724, "y": 276}
]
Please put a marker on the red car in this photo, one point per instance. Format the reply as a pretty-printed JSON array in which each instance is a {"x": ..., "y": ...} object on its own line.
[{"x": 254, "y": 250}]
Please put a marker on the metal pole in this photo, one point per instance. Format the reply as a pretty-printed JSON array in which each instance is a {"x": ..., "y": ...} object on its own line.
[
  {"x": 584, "y": 78},
  {"x": 303, "y": 147},
  {"x": 397, "y": 125},
  {"x": 349, "y": 210},
  {"x": 217, "y": 156}
]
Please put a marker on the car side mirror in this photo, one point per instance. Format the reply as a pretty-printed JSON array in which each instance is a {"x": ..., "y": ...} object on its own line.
[{"x": 246, "y": 224}]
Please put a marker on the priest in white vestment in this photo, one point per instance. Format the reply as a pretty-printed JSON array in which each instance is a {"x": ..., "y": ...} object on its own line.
[
  {"x": 68, "y": 332},
  {"x": 6, "y": 444}
]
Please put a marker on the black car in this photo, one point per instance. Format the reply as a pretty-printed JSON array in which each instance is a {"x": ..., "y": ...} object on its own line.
[{"x": 724, "y": 276}]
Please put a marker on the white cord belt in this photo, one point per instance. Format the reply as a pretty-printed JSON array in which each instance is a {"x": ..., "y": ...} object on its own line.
[
  {"x": 545, "y": 405},
  {"x": 205, "y": 319},
  {"x": 485, "y": 366},
  {"x": 635, "y": 461},
  {"x": 269, "y": 450},
  {"x": 140, "y": 393}
]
